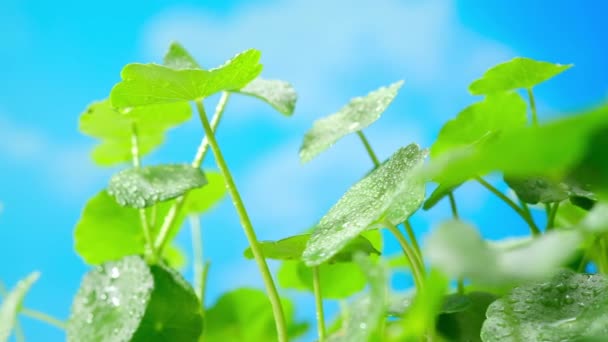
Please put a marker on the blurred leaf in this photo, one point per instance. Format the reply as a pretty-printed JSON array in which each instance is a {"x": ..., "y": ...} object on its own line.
[
  {"x": 517, "y": 73},
  {"x": 114, "y": 128},
  {"x": 359, "y": 113},
  {"x": 388, "y": 194},
  {"x": 367, "y": 312},
  {"x": 178, "y": 58},
  {"x": 128, "y": 300},
  {"x": 568, "y": 307},
  {"x": 439, "y": 193},
  {"x": 201, "y": 199},
  {"x": 569, "y": 215},
  {"x": 279, "y": 94},
  {"x": 147, "y": 84},
  {"x": 175, "y": 257},
  {"x": 465, "y": 325},
  {"x": 399, "y": 303},
  {"x": 245, "y": 315},
  {"x": 143, "y": 187},
  {"x": 597, "y": 220},
  {"x": 11, "y": 305},
  {"x": 291, "y": 248},
  {"x": 592, "y": 170},
  {"x": 457, "y": 249},
  {"x": 494, "y": 114},
  {"x": 539, "y": 189}
]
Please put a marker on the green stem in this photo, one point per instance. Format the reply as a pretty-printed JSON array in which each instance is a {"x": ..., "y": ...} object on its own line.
[
  {"x": 142, "y": 212},
  {"x": 197, "y": 254},
  {"x": 43, "y": 318},
  {"x": 316, "y": 284},
  {"x": 417, "y": 269},
  {"x": 533, "y": 228},
  {"x": 273, "y": 295},
  {"x": 203, "y": 148},
  {"x": 551, "y": 216},
  {"x": 412, "y": 236},
  {"x": 204, "y": 277},
  {"x": 533, "y": 107},
  {"x": 453, "y": 205},
  {"x": 19, "y": 335},
  {"x": 369, "y": 149}
]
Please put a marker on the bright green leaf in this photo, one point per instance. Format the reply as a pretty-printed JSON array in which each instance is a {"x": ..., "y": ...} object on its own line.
[
  {"x": 359, "y": 113},
  {"x": 11, "y": 305},
  {"x": 388, "y": 194},
  {"x": 279, "y": 94},
  {"x": 291, "y": 248},
  {"x": 245, "y": 315},
  {"x": 465, "y": 325},
  {"x": 494, "y": 114},
  {"x": 146, "y": 186},
  {"x": 458, "y": 250},
  {"x": 515, "y": 74},
  {"x": 175, "y": 256},
  {"x": 177, "y": 57},
  {"x": 569, "y": 215},
  {"x": 568, "y": 307},
  {"x": 147, "y": 84},
  {"x": 114, "y": 129},
  {"x": 200, "y": 200}
]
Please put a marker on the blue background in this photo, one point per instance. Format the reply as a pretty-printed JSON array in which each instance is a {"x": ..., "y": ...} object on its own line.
[{"x": 58, "y": 56}]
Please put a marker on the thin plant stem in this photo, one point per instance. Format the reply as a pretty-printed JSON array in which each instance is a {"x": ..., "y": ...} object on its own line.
[
  {"x": 41, "y": 316},
  {"x": 533, "y": 228},
  {"x": 19, "y": 335},
  {"x": 532, "y": 107},
  {"x": 412, "y": 236},
  {"x": 204, "y": 277},
  {"x": 197, "y": 254},
  {"x": 453, "y": 206},
  {"x": 203, "y": 148},
  {"x": 316, "y": 284},
  {"x": 142, "y": 212},
  {"x": 271, "y": 289},
  {"x": 410, "y": 255},
  {"x": 551, "y": 216},
  {"x": 369, "y": 149}
]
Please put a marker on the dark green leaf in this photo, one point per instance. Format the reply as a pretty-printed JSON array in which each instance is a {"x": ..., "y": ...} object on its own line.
[
  {"x": 245, "y": 315},
  {"x": 114, "y": 128},
  {"x": 291, "y": 248},
  {"x": 517, "y": 73},
  {"x": 147, "y": 84},
  {"x": 146, "y": 186},
  {"x": 11, "y": 305},
  {"x": 496, "y": 113},
  {"x": 388, "y": 194},
  {"x": 540, "y": 189},
  {"x": 279, "y": 94},
  {"x": 359, "y": 113},
  {"x": 179, "y": 58},
  {"x": 457, "y": 249},
  {"x": 465, "y": 325},
  {"x": 568, "y": 307}
]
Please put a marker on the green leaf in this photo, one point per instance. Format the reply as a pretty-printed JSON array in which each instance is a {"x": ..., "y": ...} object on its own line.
[
  {"x": 597, "y": 220},
  {"x": 496, "y": 113},
  {"x": 517, "y": 73},
  {"x": 399, "y": 303},
  {"x": 291, "y": 248},
  {"x": 540, "y": 189},
  {"x": 550, "y": 150},
  {"x": 114, "y": 128},
  {"x": 202, "y": 199},
  {"x": 359, "y": 113},
  {"x": 175, "y": 256},
  {"x": 246, "y": 315},
  {"x": 568, "y": 307},
  {"x": 178, "y": 58},
  {"x": 593, "y": 167},
  {"x": 107, "y": 231},
  {"x": 437, "y": 195},
  {"x": 11, "y": 305},
  {"x": 146, "y": 186},
  {"x": 279, "y": 94},
  {"x": 147, "y": 84},
  {"x": 458, "y": 250},
  {"x": 465, "y": 325},
  {"x": 367, "y": 312},
  {"x": 388, "y": 194},
  {"x": 128, "y": 300},
  {"x": 569, "y": 215}
]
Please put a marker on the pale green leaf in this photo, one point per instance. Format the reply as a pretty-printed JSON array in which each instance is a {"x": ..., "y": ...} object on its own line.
[
  {"x": 177, "y": 57},
  {"x": 494, "y": 114},
  {"x": 142, "y": 187},
  {"x": 359, "y": 113},
  {"x": 566, "y": 308},
  {"x": 457, "y": 249},
  {"x": 388, "y": 194},
  {"x": 11, "y": 305},
  {"x": 201, "y": 199},
  {"x": 279, "y": 94},
  {"x": 517, "y": 73},
  {"x": 597, "y": 220},
  {"x": 147, "y": 84},
  {"x": 114, "y": 129}
]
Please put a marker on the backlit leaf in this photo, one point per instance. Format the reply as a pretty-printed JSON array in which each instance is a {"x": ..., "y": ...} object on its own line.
[
  {"x": 147, "y": 84},
  {"x": 177, "y": 57},
  {"x": 517, "y": 73},
  {"x": 11, "y": 305},
  {"x": 146, "y": 186},
  {"x": 566, "y": 308},
  {"x": 359, "y": 113},
  {"x": 279, "y": 94},
  {"x": 388, "y": 194}
]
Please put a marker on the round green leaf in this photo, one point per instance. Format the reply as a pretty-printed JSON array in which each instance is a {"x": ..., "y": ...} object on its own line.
[
  {"x": 146, "y": 186},
  {"x": 279, "y": 94},
  {"x": 359, "y": 113},
  {"x": 11, "y": 305},
  {"x": 177, "y": 57},
  {"x": 568, "y": 307}
]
